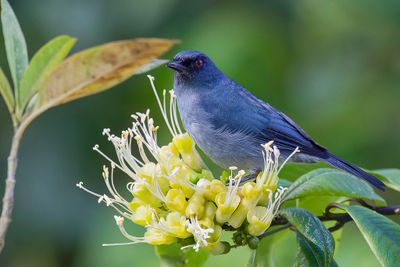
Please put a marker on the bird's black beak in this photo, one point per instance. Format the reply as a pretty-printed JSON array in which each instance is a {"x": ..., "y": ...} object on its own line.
[{"x": 177, "y": 66}]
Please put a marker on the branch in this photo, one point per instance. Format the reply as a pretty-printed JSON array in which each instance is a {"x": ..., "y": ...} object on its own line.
[
  {"x": 340, "y": 218},
  {"x": 8, "y": 198}
]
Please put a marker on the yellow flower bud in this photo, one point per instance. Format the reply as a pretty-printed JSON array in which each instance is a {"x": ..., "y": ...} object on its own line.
[
  {"x": 218, "y": 248},
  {"x": 195, "y": 206},
  {"x": 184, "y": 143},
  {"x": 265, "y": 192},
  {"x": 186, "y": 147},
  {"x": 259, "y": 221},
  {"x": 250, "y": 191},
  {"x": 157, "y": 237},
  {"x": 226, "y": 206},
  {"x": 209, "y": 214},
  {"x": 214, "y": 188},
  {"x": 214, "y": 245},
  {"x": 169, "y": 151},
  {"x": 240, "y": 213},
  {"x": 163, "y": 183},
  {"x": 187, "y": 191},
  {"x": 175, "y": 200},
  {"x": 216, "y": 235},
  {"x": 141, "y": 191},
  {"x": 174, "y": 224},
  {"x": 148, "y": 171},
  {"x": 136, "y": 203},
  {"x": 143, "y": 215}
]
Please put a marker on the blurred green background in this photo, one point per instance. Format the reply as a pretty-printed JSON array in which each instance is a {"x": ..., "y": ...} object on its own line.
[{"x": 333, "y": 66}]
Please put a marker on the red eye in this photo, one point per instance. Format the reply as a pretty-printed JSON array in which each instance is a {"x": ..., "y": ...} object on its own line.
[{"x": 199, "y": 63}]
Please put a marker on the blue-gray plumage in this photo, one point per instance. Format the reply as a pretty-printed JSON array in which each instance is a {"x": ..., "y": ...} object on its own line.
[{"x": 229, "y": 123}]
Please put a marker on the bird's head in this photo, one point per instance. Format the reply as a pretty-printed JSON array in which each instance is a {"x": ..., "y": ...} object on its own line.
[{"x": 193, "y": 67}]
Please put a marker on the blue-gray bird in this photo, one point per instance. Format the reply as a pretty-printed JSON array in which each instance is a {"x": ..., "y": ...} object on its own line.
[{"x": 229, "y": 123}]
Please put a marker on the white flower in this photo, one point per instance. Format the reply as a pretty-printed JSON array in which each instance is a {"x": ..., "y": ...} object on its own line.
[
  {"x": 171, "y": 116},
  {"x": 233, "y": 186},
  {"x": 269, "y": 175},
  {"x": 274, "y": 203},
  {"x": 200, "y": 234}
]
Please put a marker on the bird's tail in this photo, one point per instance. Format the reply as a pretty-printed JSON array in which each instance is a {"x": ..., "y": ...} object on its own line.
[{"x": 356, "y": 171}]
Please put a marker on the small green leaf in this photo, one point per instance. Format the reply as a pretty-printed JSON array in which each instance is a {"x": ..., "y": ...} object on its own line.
[
  {"x": 331, "y": 182},
  {"x": 6, "y": 92},
  {"x": 382, "y": 234},
  {"x": 17, "y": 54},
  {"x": 97, "y": 69},
  {"x": 391, "y": 177},
  {"x": 313, "y": 231},
  {"x": 42, "y": 63},
  {"x": 173, "y": 256}
]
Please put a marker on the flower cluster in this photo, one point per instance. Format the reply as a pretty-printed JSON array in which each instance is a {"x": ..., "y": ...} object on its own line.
[{"x": 175, "y": 196}]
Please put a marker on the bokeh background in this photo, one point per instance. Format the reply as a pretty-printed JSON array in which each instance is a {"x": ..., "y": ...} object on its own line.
[{"x": 333, "y": 66}]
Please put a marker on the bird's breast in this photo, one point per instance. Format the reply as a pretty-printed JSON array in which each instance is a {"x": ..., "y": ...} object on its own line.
[{"x": 225, "y": 147}]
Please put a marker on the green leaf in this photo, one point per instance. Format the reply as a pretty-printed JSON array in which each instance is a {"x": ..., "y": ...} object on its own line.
[
  {"x": 293, "y": 170},
  {"x": 6, "y": 92},
  {"x": 306, "y": 256},
  {"x": 315, "y": 204},
  {"x": 17, "y": 54},
  {"x": 42, "y": 63},
  {"x": 173, "y": 256},
  {"x": 284, "y": 183},
  {"x": 382, "y": 234},
  {"x": 97, "y": 69},
  {"x": 276, "y": 250},
  {"x": 310, "y": 228},
  {"x": 331, "y": 182},
  {"x": 391, "y": 177}
]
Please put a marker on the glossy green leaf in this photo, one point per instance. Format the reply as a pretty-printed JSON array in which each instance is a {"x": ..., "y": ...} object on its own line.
[
  {"x": 381, "y": 233},
  {"x": 391, "y": 177},
  {"x": 276, "y": 250},
  {"x": 42, "y": 63},
  {"x": 322, "y": 245},
  {"x": 284, "y": 183},
  {"x": 293, "y": 170},
  {"x": 97, "y": 69},
  {"x": 315, "y": 204},
  {"x": 17, "y": 54},
  {"x": 306, "y": 256},
  {"x": 331, "y": 182},
  {"x": 6, "y": 91},
  {"x": 174, "y": 256}
]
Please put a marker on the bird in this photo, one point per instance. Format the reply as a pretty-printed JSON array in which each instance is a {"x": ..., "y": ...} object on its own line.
[{"x": 229, "y": 123}]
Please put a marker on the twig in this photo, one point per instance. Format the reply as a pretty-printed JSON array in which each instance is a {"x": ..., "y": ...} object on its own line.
[
  {"x": 276, "y": 230},
  {"x": 340, "y": 218}
]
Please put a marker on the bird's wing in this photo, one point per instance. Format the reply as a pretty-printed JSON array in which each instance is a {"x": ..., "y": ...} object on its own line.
[
  {"x": 286, "y": 134},
  {"x": 265, "y": 123}
]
